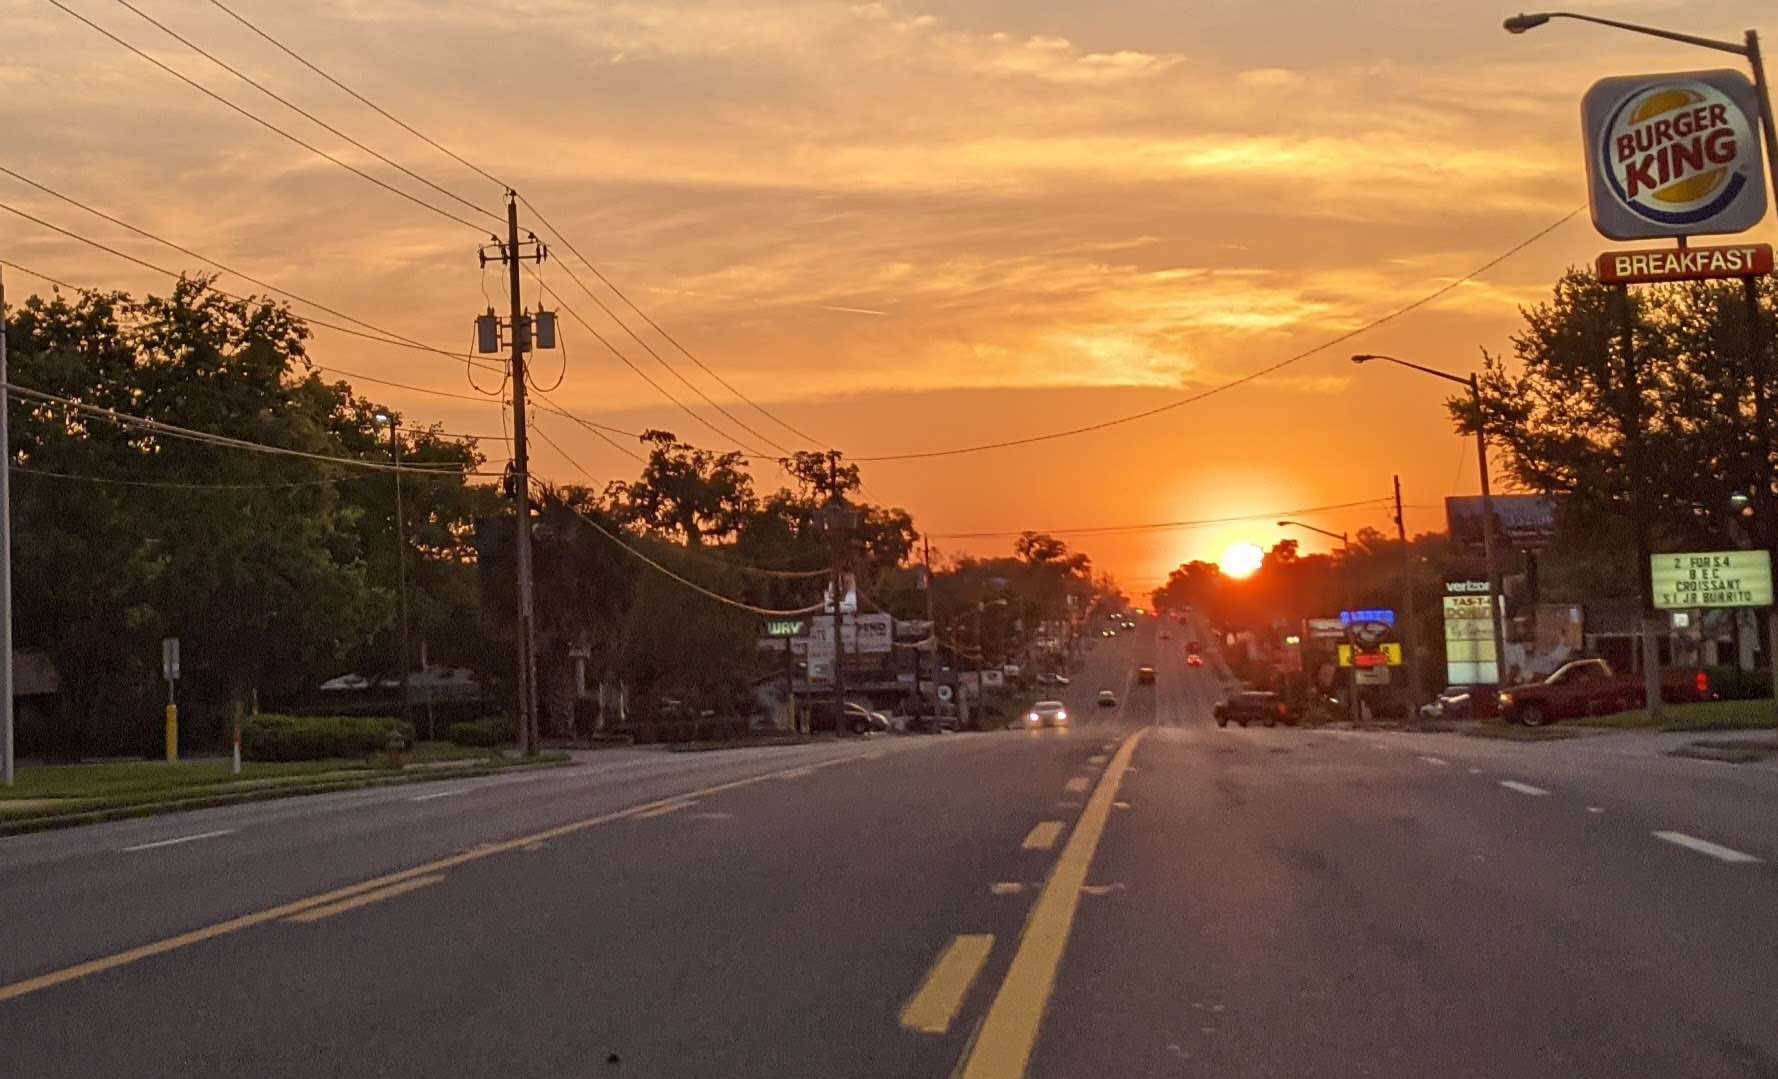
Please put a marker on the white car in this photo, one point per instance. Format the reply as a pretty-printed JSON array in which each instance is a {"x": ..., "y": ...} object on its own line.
[
  {"x": 1107, "y": 699},
  {"x": 1047, "y": 714}
]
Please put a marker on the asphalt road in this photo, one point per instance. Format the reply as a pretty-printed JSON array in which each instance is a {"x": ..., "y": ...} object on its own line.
[{"x": 1143, "y": 894}]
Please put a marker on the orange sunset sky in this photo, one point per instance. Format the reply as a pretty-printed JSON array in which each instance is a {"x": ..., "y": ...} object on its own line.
[{"x": 900, "y": 227}]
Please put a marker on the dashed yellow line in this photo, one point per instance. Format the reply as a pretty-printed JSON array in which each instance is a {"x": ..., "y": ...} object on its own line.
[
  {"x": 663, "y": 810},
  {"x": 1043, "y": 835},
  {"x": 935, "y": 1004},
  {"x": 1002, "y": 1048},
  {"x": 315, "y": 914}
]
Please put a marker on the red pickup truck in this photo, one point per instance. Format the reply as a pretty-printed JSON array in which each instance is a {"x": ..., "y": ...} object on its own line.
[{"x": 1589, "y": 687}]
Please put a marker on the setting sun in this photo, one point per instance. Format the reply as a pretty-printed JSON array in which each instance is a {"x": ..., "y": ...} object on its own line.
[{"x": 1241, "y": 560}]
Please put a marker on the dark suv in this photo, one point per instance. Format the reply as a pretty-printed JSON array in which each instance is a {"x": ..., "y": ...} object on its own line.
[{"x": 1253, "y": 707}]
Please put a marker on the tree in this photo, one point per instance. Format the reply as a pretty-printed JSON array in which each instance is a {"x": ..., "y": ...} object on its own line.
[{"x": 684, "y": 492}]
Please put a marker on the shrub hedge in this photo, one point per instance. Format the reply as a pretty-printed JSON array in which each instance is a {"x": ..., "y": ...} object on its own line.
[
  {"x": 269, "y": 737},
  {"x": 481, "y": 732}
]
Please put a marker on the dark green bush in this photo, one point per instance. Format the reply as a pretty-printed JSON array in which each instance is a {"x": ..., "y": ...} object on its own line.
[
  {"x": 1734, "y": 684},
  {"x": 481, "y": 732},
  {"x": 307, "y": 738}
]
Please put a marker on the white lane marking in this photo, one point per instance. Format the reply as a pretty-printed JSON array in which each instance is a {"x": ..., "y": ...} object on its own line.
[
  {"x": 1475, "y": 771},
  {"x": 1077, "y": 785},
  {"x": 1439, "y": 761},
  {"x": 1595, "y": 809},
  {"x": 440, "y": 794},
  {"x": 1704, "y": 846},
  {"x": 1523, "y": 788},
  {"x": 182, "y": 839}
]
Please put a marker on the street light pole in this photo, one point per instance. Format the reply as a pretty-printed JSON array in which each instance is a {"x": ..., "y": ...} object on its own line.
[
  {"x": 1346, "y": 548},
  {"x": 1748, "y": 49},
  {"x": 1496, "y": 616}
]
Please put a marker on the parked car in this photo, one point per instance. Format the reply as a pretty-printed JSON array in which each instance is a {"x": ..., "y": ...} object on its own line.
[
  {"x": 1145, "y": 676},
  {"x": 1050, "y": 678},
  {"x": 859, "y": 719},
  {"x": 1194, "y": 660},
  {"x": 1047, "y": 714},
  {"x": 1253, "y": 706},
  {"x": 1106, "y": 699},
  {"x": 1589, "y": 687}
]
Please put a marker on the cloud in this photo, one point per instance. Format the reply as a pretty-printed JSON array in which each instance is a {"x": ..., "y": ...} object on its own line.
[{"x": 1269, "y": 78}]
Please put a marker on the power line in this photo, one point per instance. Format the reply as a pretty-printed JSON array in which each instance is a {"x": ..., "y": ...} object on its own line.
[
  {"x": 300, "y": 111},
  {"x": 267, "y": 124},
  {"x": 643, "y": 375},
  {"x": 226, "y": 441},
  {"x": 169, "y": 485},
  {"x": 176, "y": 275},
  {"x": 693, "y": 387},
  {"x": 626, "y": 451},
  {"x": 394, "y": 338},
  {"x": 378, "y": 109},
  {"x": 1243, "y": 379},
  {"x": 1161, "y": 526},
  {"x": 687, "y": 353}
]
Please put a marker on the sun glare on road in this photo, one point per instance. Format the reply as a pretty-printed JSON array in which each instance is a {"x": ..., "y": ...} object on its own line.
[{"x": 1241, "y": 560}]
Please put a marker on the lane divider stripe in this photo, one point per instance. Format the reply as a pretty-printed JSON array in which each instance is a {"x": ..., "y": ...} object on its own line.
[
  {"x": 1043, "y": 835},
  {"x": 315, "y": 914},
  {"x": 1523, "y": 788},
  {"x": 1002, "y": 1046},
  {"x": 1704, "y": 846},
  {"x": 936, "y": 1003}
]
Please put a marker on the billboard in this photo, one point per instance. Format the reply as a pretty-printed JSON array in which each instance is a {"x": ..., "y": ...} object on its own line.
[
  {"x": 1527, "y": 522},
  {"x": 1711, "y": 579},
  {"x": 1673, "y": 155},
  {"x": 864, "y": 634}
]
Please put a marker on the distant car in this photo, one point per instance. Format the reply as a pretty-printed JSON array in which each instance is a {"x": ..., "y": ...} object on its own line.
[
  {"x": 858, "y": 718},
  {"x": 1106, "y": 699},
  {"x": 1192, "y": 648},
  {"x": 1050, "y": 678},
  {"x": 1047, "y": 714},
  {"x": 1194, "y": 660},
  {"x": 1145, "y": 676},
  {"x": 1251, "y": 706}
]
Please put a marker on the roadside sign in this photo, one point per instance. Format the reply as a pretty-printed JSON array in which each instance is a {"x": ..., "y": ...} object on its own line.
[
  {"x": 1527, "y": 522},
  {"x": 1469, "y": 641},
  {"x": 1324, "y": 629},
  {"x": 864, "y": 634},
  {"x": 170, "y": 658},
  {"x": 1685, "y": 264},
  {"x": 787, "y": 627},
  {"x": 945, "y": 693},
  {"x": 1673, "y": 155},
  {"x": 1352, "y": 618},
  {"x": 1711, "y": 579},
  {"x": 1373, "y": 676},
  {"x": 1389, "y": 654}
]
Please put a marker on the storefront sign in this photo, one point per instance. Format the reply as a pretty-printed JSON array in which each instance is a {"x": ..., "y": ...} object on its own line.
[{"x": 1711, "y": 579}]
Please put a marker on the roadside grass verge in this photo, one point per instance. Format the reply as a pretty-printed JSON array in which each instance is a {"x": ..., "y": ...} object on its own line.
[
  {"x": 80, "y": 793},
  {"x": 1703, "y": 716}
]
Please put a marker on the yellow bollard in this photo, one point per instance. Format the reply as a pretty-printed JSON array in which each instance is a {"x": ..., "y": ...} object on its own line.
[{"x": 172, "y": 734}]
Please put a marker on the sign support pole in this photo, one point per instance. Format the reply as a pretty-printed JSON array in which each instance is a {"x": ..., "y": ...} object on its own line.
[{"x": 1632, "y": 424}]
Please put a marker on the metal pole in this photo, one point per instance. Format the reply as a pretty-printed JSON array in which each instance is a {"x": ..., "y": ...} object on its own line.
[
  {"x": 6, "y": 738},
  {"x": 401, "y": 568},
  {"x": 931, "y": 632},
  {"x": 1632, "y": 424},
  {"x": 1416, "y": 680},
  {"x": 839, "y": 652},
  {"x": 1496, "y": 598},
  {"x": 1759, "y": 365},
  {"x": 1766, "y": 123},
  {"x": 521, "y": 496}
]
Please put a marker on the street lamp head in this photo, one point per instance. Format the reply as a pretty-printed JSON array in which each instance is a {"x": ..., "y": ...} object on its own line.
[
  {"x": 1363, "y": 356},
  {"x": 1285, "y": 524},
  {"x": 381, "y": 417},
  {"x": 1518, "y": 24}
]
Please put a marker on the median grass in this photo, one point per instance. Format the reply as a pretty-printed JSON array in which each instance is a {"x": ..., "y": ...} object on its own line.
[
  {"x": 83, "y": 790},
  {"x": 1704, "y": 716}
]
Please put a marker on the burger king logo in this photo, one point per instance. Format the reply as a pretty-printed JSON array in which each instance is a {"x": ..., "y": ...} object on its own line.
[
  {"x": 1675, "y": 152},
  {"x": 1672, "y": 155}
]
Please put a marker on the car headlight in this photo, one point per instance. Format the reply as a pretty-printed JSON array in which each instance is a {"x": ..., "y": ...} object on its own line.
[
  {"x": 1030, "y": 717},
  {"x": 1062, "y": 714}
]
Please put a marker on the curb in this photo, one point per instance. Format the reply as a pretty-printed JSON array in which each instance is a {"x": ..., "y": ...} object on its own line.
[{"x": 51, "y": 822}]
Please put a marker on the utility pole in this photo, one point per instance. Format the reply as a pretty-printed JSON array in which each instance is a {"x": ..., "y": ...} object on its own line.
[
  {"x": 1416, "y": 678},
  {"x": 931, "y": 632},
  {"x": 401, "y": 667},
  {"x": 6, "y": 740},
  {"x": 1759, "y": 365},
  {"x": 519, "y": 327}
]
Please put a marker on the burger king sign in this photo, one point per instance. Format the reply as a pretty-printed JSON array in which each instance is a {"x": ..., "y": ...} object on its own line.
[{"x": 1674, "y": 155}]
